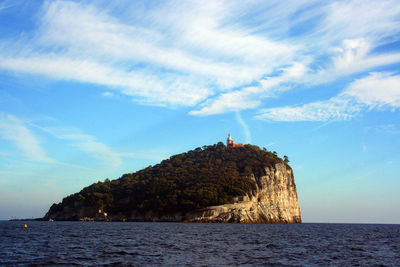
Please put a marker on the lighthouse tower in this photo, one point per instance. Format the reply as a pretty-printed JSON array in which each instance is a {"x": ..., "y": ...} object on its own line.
[{"x": 229, "y": 141}]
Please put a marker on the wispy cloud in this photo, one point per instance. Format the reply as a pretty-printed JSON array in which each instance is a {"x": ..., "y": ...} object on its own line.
[
  {"x": 14, "y": 130},
  {"x": 270, "y": 144},
  {"x": 150, "y": 154},
  {"x": 364, "y": 148},
  {"x": 7, "y": 4},
  {"x": 208, "y": 57},
  {"x": 89, "y": 144},
  {"x": 339, "y": 45},
  {"x": 376, "y": 91},
  {"x": 97, "y": 149},
  {"x": 87, "y": 44},
  {"x": 351, "y": 57},
  {"x": 251, "y": 96},
  {"x": 85, "y": 143},
  {"x": 108, "y": 94},
  {"x": 385, "y": 128},
  {"x": 335, "y": 108},
  {"x": 244, "y": 126}
]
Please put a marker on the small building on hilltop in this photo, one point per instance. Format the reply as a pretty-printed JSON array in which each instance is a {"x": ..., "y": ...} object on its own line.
[{"x": 231, "y": 143}]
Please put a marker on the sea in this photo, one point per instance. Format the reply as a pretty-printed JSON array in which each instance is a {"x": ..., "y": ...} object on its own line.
[{"x": 197, "y": 244}]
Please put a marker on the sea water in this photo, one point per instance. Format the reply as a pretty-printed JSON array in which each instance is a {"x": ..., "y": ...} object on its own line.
[{"x": 195, "y": 244}]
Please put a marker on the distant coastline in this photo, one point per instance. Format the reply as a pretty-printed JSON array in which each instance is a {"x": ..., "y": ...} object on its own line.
[{"x": 26, "y": 219}]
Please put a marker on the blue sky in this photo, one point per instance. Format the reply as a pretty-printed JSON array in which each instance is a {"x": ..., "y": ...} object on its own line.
[{"x": 90, "y": 90}]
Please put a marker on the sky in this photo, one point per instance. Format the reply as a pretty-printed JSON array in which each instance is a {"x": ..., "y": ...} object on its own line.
[{"x": 91, "y": 90}]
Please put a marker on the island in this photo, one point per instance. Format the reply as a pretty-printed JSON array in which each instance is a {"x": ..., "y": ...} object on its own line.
[{"x": 219, "y": 183}]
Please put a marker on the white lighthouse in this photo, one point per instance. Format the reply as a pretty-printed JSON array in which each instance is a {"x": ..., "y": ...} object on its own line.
[{"x": 229, "y": 141}]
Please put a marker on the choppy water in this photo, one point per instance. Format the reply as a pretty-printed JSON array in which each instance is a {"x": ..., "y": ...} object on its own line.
[{"x": 177, "y": 244}]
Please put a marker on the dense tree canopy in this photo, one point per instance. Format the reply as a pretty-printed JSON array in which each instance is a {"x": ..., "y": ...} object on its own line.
[{"x": 202, "y": 177}]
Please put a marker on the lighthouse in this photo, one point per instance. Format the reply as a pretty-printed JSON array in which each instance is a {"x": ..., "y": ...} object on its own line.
[{"x": 231, "y": 143}]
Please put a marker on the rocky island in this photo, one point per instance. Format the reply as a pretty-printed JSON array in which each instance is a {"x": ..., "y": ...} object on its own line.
[{"x": 226, "y": 184}]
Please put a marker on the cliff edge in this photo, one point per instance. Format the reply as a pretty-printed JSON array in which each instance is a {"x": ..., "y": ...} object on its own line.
[{"x": 274, "y": 201}]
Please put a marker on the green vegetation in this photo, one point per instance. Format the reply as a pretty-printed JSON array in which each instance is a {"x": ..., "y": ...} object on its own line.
[
  {"x": 202, "y": 177},
  {"x": 286, "y": 159}
]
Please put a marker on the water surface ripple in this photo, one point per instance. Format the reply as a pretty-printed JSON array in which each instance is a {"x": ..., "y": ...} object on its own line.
[{"x": 192, "y": 244}]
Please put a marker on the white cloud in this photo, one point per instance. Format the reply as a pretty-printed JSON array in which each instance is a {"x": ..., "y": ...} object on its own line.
[
  {"x": 346, "y": 36},
  {"x": 183, "y": 66},
  {"x": 334, "y": 108},
  {"x": 142, "y": 85},
  {"x": 15, "y": 131},
  {"x": 359, "y": 19},
  {"x": 351, "y": 51},
  {"x": 233, "y": 101},
  {"x": 352, "y": 56},
  {"x": 378, "y": 90},
  {"x": 209, "y": 57},
  {"x": 250, "y": 97}
]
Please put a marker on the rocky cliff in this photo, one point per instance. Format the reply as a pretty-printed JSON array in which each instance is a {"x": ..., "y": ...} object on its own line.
[
  {"x": 270, "y": 196},
  {"x": 274, "y": 201}
]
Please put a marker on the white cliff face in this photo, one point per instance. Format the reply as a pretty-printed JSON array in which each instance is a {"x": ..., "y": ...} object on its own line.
[{"x": 274, "y": 201}]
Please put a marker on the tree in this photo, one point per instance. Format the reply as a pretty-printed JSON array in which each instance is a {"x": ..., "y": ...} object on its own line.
[{"x": 286, "y": 159}]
